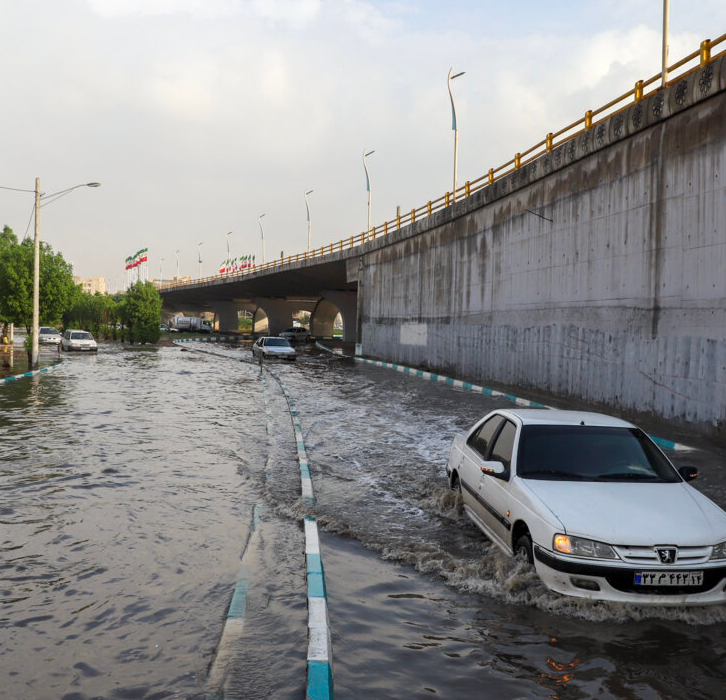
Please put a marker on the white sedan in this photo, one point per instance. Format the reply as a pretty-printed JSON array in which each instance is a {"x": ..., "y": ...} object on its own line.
[
  {"x": 594, "y": 505},
  {"x": 272, "y": 347},
  {"x": 78, "y": 340}
]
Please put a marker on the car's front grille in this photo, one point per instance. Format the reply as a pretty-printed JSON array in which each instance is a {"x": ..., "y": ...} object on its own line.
[{"x": 647, "y": 556}]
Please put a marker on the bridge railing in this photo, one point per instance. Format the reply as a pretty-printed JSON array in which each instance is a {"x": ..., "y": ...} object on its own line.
[{"x": 641, "y": 90}]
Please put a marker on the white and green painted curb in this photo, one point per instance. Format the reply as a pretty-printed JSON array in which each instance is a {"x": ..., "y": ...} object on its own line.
[
  {"x": 16, "y": 377},
  {"x": 320, "y": 651}
]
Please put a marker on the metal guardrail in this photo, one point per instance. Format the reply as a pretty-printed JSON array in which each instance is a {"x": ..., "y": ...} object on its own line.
[{"x": 591, "y": 119}]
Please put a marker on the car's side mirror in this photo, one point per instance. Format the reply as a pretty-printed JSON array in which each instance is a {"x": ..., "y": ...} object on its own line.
[
  {"x": 688, "y": 473},
  {"x": 492, "y": 468}
]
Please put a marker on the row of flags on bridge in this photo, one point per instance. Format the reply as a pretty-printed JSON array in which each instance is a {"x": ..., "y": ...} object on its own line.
[{"x": 244, "y": 262}]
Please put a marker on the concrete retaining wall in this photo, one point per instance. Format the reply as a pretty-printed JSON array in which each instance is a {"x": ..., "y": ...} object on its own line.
[{"x": 597, "y": 272}]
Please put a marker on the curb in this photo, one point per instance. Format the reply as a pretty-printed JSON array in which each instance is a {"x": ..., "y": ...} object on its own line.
[
  {"x": 320, "y": 653},
  {"x": 15, "y": 377},
  {"x": 234, "y": 624},
  {"x": 475, "y": 388}
]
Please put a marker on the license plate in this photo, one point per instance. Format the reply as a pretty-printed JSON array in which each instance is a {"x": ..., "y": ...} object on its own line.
[{"x": 668, "y": 578}]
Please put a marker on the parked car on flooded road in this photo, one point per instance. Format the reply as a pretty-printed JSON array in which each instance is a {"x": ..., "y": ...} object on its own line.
[
  {"x": 78, "y": 340},
  {"x": 272, "y": 347},
  {"x": 296, "y": 334},
  {"x": 594, "y": 505},
  {"x": 48, "y": 336}
]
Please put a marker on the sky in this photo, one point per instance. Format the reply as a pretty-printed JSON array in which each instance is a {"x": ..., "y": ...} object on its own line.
[{"x": 197, "y": 116}]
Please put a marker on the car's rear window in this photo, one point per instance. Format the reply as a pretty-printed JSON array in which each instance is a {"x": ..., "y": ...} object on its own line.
[
  {"x": 589, "y": 453},
  {"x": 81, "y": 336},
  {"x": 48, "y": 331},
  {"x": 277, "y": 342}
]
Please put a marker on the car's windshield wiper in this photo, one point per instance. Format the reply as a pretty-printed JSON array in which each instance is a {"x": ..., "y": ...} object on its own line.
[
  {"x": 628, "y": 475},
  {"x": 552, "y": 474}
]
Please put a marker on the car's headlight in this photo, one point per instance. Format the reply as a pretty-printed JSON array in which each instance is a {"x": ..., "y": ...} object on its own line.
[
  {"x": 580, "y": 547},
  {"x": 719, "y": 551}
]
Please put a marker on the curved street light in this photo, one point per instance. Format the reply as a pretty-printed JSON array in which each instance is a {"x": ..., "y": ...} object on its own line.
[
  {"x": 368, "y": 187},
  {"x": 262, "y": 233},
  {"x": 176, "y": 255},
  {"x": 36, "y": 256},
  {"x": 228, "y": 234},
  {"x": 161, "y": 276},
  {"x": 305, "y": 197},
  {"x": 453, "y": 125},
  {"x": 199, "y": 253}
]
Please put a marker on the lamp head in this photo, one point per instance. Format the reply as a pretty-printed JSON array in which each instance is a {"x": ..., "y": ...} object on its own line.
[{"x": 93, "y": 184}]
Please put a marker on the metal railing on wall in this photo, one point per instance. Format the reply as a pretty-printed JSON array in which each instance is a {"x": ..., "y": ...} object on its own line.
[{"x": 590, "y": 119}]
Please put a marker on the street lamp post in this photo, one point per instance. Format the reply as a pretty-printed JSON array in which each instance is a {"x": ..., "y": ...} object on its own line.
[
  {"x": 307, "y": 207},
  {"x": 454, "y": 126},
  {"x": 664, "y": 66},
  {"x": 368, "y": 187},
  {"x": 227, "y": 235},
  {"x": 176, "y": 255},
  {"x": 199, "y": 253},
  {"x": 262, "y": 233},
  {"x": 36, "y": 260},
  {"x": 161, "y": 276}
]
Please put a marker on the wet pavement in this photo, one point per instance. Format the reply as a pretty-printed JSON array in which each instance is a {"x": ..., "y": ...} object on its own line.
[{"x": 128, "y": 481}]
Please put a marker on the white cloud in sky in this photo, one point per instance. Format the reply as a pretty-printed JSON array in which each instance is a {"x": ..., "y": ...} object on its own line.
[{"x": 198, "y": 116}]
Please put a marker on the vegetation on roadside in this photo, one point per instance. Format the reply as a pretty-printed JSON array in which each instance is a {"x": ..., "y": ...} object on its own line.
[
  {"x": 141, "y": 313},
  {"x": 56, "y": 289}
]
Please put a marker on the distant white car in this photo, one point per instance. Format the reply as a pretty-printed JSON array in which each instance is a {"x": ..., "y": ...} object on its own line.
[
  {"x": 48, "y": 336},
  {"x": 296, "y": 334},
  {"x": 165, "y": 328},
  {"x": 78, "y": 340},
  {"x": 594, "y": 505},
  {"x": 272, "y": 347}
]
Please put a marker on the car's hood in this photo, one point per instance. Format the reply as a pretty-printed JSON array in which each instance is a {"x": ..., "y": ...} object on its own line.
[
  {"x": 280, "y": 350},
  {"x": 633, "y": 514}
]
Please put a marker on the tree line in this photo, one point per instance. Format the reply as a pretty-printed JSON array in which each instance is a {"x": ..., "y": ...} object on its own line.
[{"x": 133, "y": 316}]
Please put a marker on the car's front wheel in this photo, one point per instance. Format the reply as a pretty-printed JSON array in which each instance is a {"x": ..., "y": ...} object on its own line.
[
  {"x": 455, "y": 483},
  {"x": 523, "y": 548}
]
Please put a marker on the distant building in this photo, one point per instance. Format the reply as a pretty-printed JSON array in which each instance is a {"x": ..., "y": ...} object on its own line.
[
  {"x": 91, "y": 284},
  {"x": 181, "y": 279}
]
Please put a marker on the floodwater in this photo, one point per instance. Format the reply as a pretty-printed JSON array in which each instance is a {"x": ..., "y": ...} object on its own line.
[{"x": 128, "y": 484}]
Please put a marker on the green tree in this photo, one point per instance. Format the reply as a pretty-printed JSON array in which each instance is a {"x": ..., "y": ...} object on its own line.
[
  {"x": 16, "y": 282},
  {"x": 141, "y": 313}
]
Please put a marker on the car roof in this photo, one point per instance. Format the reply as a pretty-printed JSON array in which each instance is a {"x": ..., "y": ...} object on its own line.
[{"x": 547, "y": 416}]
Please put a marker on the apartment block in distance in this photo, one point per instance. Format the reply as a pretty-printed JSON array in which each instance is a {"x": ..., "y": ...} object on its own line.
[{"x": 92, "y": 284}]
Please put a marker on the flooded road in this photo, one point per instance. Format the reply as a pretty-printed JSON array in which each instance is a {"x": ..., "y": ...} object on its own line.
[{"x": 128, "y": 483}]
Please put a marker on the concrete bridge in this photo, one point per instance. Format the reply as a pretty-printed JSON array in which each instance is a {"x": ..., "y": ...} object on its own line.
[{"x": 594, "y": 269}]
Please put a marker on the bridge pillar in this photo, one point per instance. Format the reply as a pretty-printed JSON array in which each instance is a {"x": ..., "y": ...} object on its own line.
[
  {"x": 279, "y": 313},
  {"x": 228, "y": 315},
  {"x": 332, "y": 303}
]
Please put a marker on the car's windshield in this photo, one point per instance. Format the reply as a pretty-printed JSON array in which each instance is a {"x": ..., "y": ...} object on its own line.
[
  {"x": 277, "y": 342},
  {"x": 81, "y": 336},
  {"x": 588, "y": 453}
]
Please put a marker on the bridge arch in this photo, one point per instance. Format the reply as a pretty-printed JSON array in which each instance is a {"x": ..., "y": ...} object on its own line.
[{"x": 327, "y": 309}]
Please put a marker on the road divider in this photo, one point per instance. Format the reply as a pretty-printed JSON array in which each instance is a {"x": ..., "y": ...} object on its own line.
[
  {"x": 42, "y": 370},
  {"x": 320, "y": 651},
  {"x": 319, "y": 654},
  {"x": 234, "y": 624}
]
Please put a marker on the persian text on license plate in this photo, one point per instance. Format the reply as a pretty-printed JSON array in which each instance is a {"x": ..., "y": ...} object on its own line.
[{"x": 668, "y": 578}]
